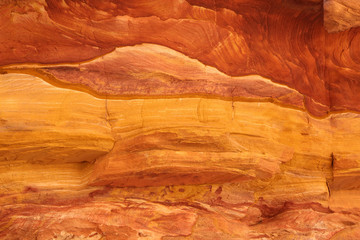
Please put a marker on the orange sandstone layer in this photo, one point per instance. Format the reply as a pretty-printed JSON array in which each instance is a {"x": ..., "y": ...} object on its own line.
[
  {"x": 171, "y": 168},
  {"x": 178, "y": 120}
]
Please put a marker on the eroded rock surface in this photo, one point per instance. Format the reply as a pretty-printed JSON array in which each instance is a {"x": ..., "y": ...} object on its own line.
[
  {"x": 179, "y": 120},
  {"x": 340, "y": 15}
]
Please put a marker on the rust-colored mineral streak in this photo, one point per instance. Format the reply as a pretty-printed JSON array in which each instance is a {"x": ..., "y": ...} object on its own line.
[{"x": 174, "y": 119}]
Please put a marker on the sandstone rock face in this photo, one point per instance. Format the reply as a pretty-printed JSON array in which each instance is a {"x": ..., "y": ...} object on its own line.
[
  {"x": 340, "y": 15},
  {"x": 179, "y": 119}
]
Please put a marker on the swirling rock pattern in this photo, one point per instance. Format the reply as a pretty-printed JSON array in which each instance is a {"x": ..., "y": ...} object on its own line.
[{"x": 179, "y": 119}]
